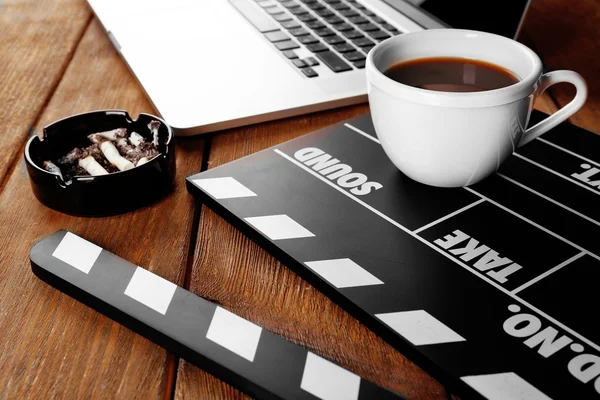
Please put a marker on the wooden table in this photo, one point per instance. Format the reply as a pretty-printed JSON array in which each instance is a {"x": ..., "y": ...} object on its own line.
[{"x": 55, "y": 60}]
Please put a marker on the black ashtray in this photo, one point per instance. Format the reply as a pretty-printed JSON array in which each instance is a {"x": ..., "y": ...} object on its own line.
[{"x": 101, "y": 195}]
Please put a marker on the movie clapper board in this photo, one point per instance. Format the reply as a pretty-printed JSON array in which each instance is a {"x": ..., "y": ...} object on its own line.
[
  {"x": 233, "y": 349},
  {"x": 492, "y": 288}
]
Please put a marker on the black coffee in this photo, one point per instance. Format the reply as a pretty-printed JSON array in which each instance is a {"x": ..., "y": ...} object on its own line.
[{"x": 451, "y": 74}]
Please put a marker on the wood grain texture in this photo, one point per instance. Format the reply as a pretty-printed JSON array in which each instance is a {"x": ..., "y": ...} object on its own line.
[
  {"x": 52, "y": 346},
  {"x": 545, "y": 103},
  {"x": 37, "y": 40},
  {"x": 234, "y": 272},
  {"x": 194, "y": 383},
  {"x": 565, "y": 34}
]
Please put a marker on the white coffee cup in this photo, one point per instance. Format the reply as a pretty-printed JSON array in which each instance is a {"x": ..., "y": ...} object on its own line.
[{"x": 455, "y": 139}]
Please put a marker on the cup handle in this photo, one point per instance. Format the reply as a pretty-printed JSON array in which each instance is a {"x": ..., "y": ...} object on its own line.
[{"x": 574, "y": 105}]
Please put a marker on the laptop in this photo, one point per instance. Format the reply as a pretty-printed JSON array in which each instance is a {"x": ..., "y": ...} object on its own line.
[{"x": 209, "y": 65}]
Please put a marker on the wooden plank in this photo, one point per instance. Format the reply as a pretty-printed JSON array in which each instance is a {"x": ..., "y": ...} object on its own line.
[
  {"x": 565, "y": 35},
  {"x": 53, "y": 346},
  {"x": 546, "y": 104},
  {"x": 38, "y": 39},
  {"x": 194, "y": 383},
  {"x": 232, "y": 271}
]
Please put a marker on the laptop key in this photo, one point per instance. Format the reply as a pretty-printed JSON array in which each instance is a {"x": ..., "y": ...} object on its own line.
[
  {"x": 282, "y": 17},
  {"x": 369, "y": 27},
  {"x": 325, "y": 13},
  {"x": 343, "y": 47},
  {"x": 340, "y": 6},
  {"x": 358, "y": 20},
  {"x": 274, "y": 10},
  {"x": 311, "y": 61},
  {"x": 335, "y": 39},
  {"x": 343, "y": 27},
  {"x": 299, "y": 32},
  {"x": 307, "y": 18},
  {"x": 287, "y": 45},
  {"x": 277, "y": 36},
  {"x": 265, "y": 4},
  {"x": 315, "y": 24},
  {"x": 291, "y": 54},
  {"x": 317, "y": 47},
  {"x": 289, "y": 4},
  {"x": 367, "y": 49},
  {"x": 348, "y": 13},
  {"x": 315, "y": 6},
  {"x": 290, "y": 24},
  {"x": 354, "y": 56},
  {"x": 298, "y": 10},
  {"x": 369, "y": 13},
  {"x": 390, "y": 27},
  {"x": 324, "y": 32},
  {"x": 299, "y": 63},
  {"x": 334, "y": 20},
  {"x": 363, "y": 42},
  {"x": 309, "y": 72},
  {"x": 379, "y": 35},
  {"x": 255, "y": 16},
  {"x": 379, "y": 20},
  {"x": 333, "y": 61},
  {"x": 308, "y": 39},
  {"x": 359, "y": 64},
  {"x": 353, "y": 34}
]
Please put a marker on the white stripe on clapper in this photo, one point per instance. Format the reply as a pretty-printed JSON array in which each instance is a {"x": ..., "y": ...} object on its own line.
[
  {"x": 593, "y": 221},
  {"x": 362, "y": 133},
  {"x": 550, "y": 271},
  {"x": 548, "y": 231},
  {"x": 556, "y": 173},
  {"x": 437, "y": 221},
  {"x": 568, "y": 151}
]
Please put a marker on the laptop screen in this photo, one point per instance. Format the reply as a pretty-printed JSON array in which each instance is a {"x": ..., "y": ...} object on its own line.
[{"x": 500, "y": 17}]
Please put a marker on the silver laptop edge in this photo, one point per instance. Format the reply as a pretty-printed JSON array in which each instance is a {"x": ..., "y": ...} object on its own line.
[{"x": 206, "y": 68}]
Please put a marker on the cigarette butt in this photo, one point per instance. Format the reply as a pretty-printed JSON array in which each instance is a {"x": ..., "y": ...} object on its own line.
[
  {"x": 91, "y": 166},
  {"x": 53, "y": 168},
  {"x": 112, "y": 155},
  {"x": 110, "y": 135},
  {"x": 136, "y": 139},
  {"x": 142, "y": 161},
  {"x": 153, "y": 126}
]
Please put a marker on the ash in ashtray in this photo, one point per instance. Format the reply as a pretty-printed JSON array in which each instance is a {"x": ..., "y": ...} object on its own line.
[{"x": 108, "y": 152}]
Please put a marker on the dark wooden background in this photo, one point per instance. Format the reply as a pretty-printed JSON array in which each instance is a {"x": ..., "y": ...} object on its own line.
[{"x": 55, "y": 60}]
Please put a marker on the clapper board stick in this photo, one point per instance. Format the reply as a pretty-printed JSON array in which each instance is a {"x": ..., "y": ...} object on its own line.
[{"x": 235, "y": 350}]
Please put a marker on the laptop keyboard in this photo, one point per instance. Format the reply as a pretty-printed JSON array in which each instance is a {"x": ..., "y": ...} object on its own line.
[{"x": 339, "y": 33}]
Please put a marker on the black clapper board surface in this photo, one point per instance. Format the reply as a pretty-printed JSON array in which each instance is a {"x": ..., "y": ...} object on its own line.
[
  {"x": 490, "y": 288},
  {"x": 241, "y": 353}
]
